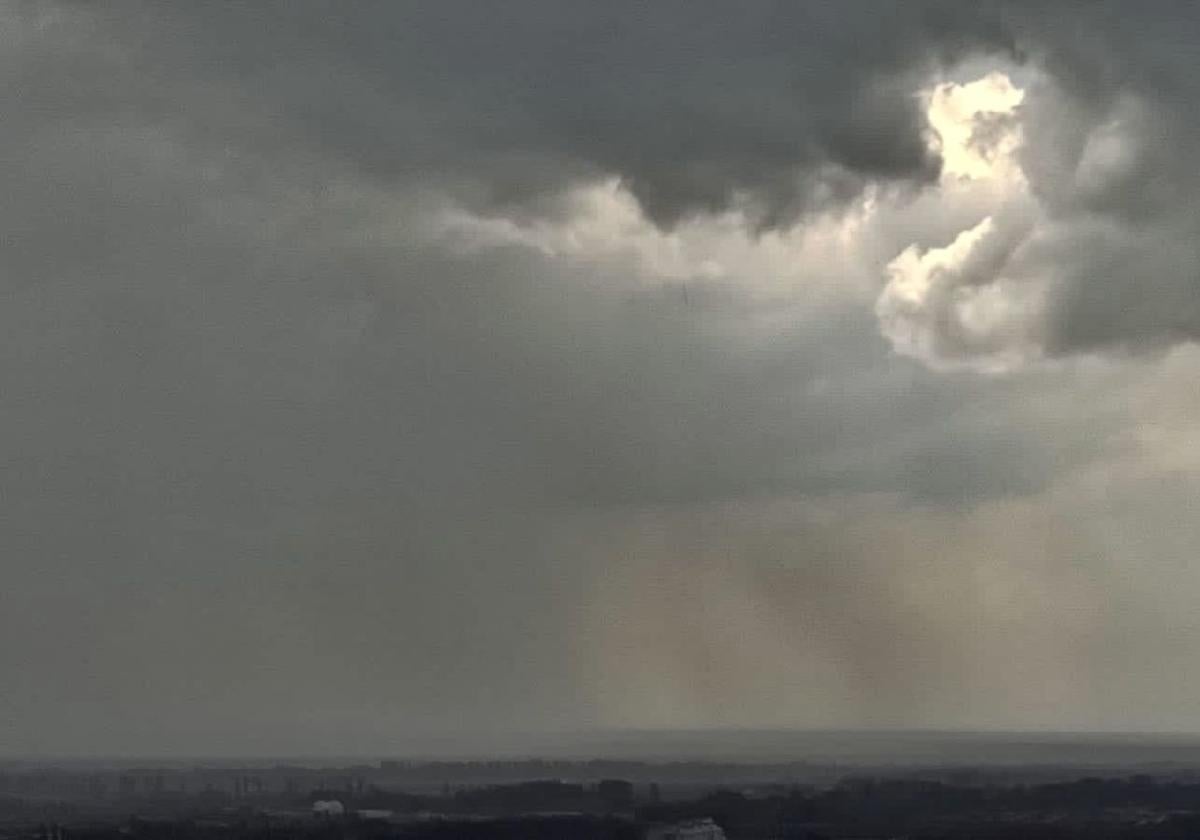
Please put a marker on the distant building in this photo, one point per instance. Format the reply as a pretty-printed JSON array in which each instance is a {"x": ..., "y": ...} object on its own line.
[
  {"x": 373, "y": 814},
  {"x": 703, "y": 829},
  {"x": 328, "y": 808}
]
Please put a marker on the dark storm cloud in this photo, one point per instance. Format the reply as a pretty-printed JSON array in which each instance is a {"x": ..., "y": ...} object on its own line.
[{"x": 781, "y": 107}]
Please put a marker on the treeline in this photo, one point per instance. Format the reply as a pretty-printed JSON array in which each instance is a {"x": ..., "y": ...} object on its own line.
[{"x": 1137, "y": 807}]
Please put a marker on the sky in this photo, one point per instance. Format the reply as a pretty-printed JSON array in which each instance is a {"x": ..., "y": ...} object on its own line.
[{"x": 376, "y": 373}]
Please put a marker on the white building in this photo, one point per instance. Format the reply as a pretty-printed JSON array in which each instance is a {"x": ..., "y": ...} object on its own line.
[
  {"x": 328, "y": 808},
  {"x": 704, "y": 829}
]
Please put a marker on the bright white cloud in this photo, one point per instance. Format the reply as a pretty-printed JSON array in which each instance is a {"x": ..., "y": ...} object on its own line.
[
  {"x": 969, "y": 301},
  {"x": 823, "y": 258},
  {"x": 960, "y": 301},
  {"x": 975, "y": 132}
]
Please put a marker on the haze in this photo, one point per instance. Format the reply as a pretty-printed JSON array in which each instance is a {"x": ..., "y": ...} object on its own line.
[{"x": 378, "y": 375}]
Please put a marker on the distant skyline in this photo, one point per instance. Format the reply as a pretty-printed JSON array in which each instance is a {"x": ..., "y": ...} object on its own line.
[
  {"x": 752, "y": 747},
  {"x": 386, "y": 373}
]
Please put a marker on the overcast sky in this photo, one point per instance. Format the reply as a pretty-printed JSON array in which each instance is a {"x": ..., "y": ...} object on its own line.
[{"x": 377, "y": 372}]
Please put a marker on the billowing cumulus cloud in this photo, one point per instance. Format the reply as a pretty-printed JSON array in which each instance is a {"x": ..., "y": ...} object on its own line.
[
  {"x": 376, "y": 372},
  {"x": 1102, "y": 194}
]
